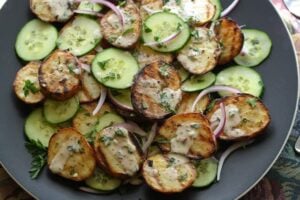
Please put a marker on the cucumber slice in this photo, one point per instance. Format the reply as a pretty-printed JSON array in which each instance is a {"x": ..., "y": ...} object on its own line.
[
  {"x": 36, "y": 40},
  {"x": 107, "y": 120},
  {"x": 115, "y": 68},
  {"x": 160, "y": 26},
  {"x": 89, "y": 6},
  {"x": 60, "y": 111},
  {"x": 243, "y": 78},
  {"x": 198, "y": 82},
  {"x": 38, "y": 129},
  {"x": 257, "y": 47},
  {"x": 121, "y": 98},
  {"x": 206, "y": 172},
  {"x": 80, "y": 35},
  {"x": 219, "y": 8},
  {"x": 102, "y": 181}
]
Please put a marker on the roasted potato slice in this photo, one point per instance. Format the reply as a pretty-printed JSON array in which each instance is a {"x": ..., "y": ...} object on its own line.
[
  {"x": 70, "y": 155},
  {"x": 59, "y": 76},
  {"x": 188, "y": 134},
  {"x": 85, "y": 122},
  {"x": 246, "y": 117},
  {"x": 187, "y": 101},
  {"x": 91, "y": 88},
  {"x": 117, "y": 153},
  {"x": 196, "y": 12},
  {"x": 148, "y": 7},
  {"x": 26, "y": 84},
  {"x": 169, "y": 173},
  {"x": 122, "y": 36},
  {"x": 156, "y": 91},
  {"x": 231, "y": 38},
  {"x": 201, "y": 53},
  {"x": 53, "y": 10},
  {"x": 146, "y": 55}
]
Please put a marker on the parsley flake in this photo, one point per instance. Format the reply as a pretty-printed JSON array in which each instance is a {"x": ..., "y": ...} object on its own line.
[{"x": 29, "y": 87}]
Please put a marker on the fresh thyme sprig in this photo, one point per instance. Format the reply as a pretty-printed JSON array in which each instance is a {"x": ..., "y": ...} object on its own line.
[{"x": 39, "y": 157}]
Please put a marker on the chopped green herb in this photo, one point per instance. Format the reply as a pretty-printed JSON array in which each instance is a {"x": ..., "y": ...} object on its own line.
[
  {"x": 182, "y": 177},
  {"x": 195, "y": 126},
  {"x": 163, "y": 70},
  {"x": 106, "y": 140},
  {"x": 145, "y": 106},
  {"x": 178, "y": 2},
  {"x": 156, "y": 38},
  {"x": 111, "y": 76},
  {"x": 71, "y": 68},
  {"x": 166, "y": 1},
  {"x": 75, "y": 149},
  {"x": 244, "y": 120},
  {"x": 179, "y": 27},
  {"x": 164, "y": 101},
  {"x": 195, "y": 34},
  {"x": 39, "y": 157},
  {"x": 252, "y": 102},
  {"x": 119, "y": 133},
  {"x": 171, "y": 161},
  {"x": 254, "y": 41},
  {"x": 130, "y": 30},
  {"x": 122, "y": 3},
  {"x": 29, "y": 87},
  {"x": 103, "y": 64},
  {"x": 147, "y": 29},
  {"x": 129, "y": 150},
  {"x": 90, "y": 136}
]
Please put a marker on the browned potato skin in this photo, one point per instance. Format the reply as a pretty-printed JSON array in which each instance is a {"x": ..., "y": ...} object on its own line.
[
  {"x": 83, "y": 163},
  {"x": 145, "y": 56},
  {"x": 151, "y": 71},
  {"x": 203, "y": 146},
  {"x": 31, "y": 69},
  {"x": 46, "y": 14},
  {"x": 152, "y": 4},
  {"x": 108, "y": 30},
  {"x": 188, "y": 100},
  {"x": 91, "y": 89},
  {"x": 231, "y": 38},
  {"x": 56, "y": 80},
  {"x": 84, "y": 121},
  {"x": 161, "y": 162},
  {"x": 103, "y": 162},
  {"x": 258, "y": 117}
]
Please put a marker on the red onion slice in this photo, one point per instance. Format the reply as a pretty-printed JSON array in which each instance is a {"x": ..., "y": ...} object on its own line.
[
  {"x": 211, "y": 89},
  {"x": 150, "y": 138},
  {"x": 82, "y": 65},
  {"x": 101, "y": 100},
  {"x": 230, "y": 8},
  {"x": 90, "y": 190},
  {"x": 113, "y": 7},
  {"x": 88, "y": 12},
  {"x": 133, "y": 127},
  {"x": 222, "y": 122},
  {"x": 165, "y": 40},
  {"x": 228, "y": 151}
]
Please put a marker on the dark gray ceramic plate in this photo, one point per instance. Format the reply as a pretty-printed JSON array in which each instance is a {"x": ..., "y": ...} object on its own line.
[{"x": 242, "y": 170}]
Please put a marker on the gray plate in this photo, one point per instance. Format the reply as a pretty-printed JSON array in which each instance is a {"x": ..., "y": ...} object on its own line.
[{"x": 241, "y": 171}]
